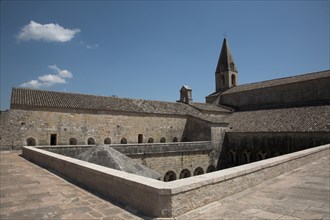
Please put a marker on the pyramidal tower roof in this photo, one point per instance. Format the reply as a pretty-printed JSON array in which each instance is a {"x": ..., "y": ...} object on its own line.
[{"x": 225, "y": 59}]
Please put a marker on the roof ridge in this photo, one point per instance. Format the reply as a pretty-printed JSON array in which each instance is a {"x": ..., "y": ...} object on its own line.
[
  {"x": 92, "y": 95},
  {"x": 242, "y": 86}
]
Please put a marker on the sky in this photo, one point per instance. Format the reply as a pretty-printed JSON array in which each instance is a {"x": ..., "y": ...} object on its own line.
[{"x": 149, "y": 49}]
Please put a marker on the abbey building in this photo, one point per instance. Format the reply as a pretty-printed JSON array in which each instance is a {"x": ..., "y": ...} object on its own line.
[{"x": 243, "y": 123}]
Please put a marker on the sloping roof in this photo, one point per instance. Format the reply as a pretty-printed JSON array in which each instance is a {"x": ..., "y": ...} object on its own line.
[
  {"x": 304, "y": 119},
  {"x": 107, "y": 156},
  {"x": 211, "y": 107},
  {"x": 277, "y": 82},
  {"x": 23, "y": 98},
  {"x": 185, "y": 87}
]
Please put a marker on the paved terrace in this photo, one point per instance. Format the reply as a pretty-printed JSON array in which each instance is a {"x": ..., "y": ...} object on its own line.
[{"x": 30, "y": 192}]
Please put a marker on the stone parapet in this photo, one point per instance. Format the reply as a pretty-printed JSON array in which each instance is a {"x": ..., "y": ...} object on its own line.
[
  {"x": 136, "y": 149},
  {"x": 159, "y": 199}
]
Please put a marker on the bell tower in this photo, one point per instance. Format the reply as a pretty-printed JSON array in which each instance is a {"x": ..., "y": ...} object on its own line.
[{"x": 226, "y": 73}]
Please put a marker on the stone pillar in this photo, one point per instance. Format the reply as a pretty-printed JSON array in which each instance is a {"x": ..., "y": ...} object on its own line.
[{"x": 217, "y": 138}]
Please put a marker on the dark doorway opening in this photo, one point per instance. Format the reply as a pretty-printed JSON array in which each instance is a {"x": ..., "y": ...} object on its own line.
[
  {"x": 53, "y": 139},
  {"x": 140, "y": 138}
]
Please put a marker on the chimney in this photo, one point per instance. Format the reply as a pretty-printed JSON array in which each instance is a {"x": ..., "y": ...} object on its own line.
[{"x": 186, "y": 95}]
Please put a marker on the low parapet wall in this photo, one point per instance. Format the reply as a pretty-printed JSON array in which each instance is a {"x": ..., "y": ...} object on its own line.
[
  {"x": 169, "y": 199},
  {"x": 135, "y": 149}
]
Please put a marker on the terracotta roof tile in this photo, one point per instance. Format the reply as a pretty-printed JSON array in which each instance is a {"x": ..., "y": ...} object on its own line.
[
  {"x": 277, "y": 82},
  {"x": 38, "y": 99},
  {"x": 303, "y": 119}
]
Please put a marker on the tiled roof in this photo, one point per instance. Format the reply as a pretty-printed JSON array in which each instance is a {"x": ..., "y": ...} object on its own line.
[
  {"x": 277, "y": 82},
  {"x": 211, "y": 107},
  {"x": 304, "y": 119},
  {"x": 38, "y": 99}
]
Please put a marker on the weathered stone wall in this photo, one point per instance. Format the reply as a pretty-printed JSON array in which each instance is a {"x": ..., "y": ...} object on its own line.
[
  {"x": 10, "y": 126},
  {"x": 243, "y": 147},
  {"x": 305, "y": 92},
  {"x": 197, "y": 130},
  {"x": 176, "y": 162},
  {"x": 18, "y": 125}
]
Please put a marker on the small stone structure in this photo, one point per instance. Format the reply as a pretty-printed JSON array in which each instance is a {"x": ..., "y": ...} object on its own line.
[{"x": 106, "y": 156}]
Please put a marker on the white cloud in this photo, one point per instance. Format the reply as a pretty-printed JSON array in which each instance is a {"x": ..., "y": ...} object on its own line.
[
  {"x": 52, "y": 79},
  {"x": 32, "y": 84},
  {"x": 88, "y": 46},
  {"x": 61, "y": 73},
  {"x": 49, "y": 80},
  {"x": 47, "y": 32}
]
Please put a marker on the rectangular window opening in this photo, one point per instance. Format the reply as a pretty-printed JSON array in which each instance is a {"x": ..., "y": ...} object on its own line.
[{"x": 53, "y": 139}]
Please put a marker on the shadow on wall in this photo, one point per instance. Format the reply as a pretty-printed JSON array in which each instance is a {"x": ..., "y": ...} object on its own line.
[{"x": 243, "y": 148}]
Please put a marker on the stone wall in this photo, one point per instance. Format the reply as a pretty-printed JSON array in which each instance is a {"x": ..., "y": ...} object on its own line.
[
  {"x": 197, "y": 130},
  {"x": 300, "y": 93},
  {"x": 19, "y": 125},
  {"x": 163, "y": 158},
  {"x": 245, "y": 147},
  {"x": 159, "y": 199}
]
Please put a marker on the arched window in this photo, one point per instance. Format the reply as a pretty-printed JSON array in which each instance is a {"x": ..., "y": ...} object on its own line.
[
  {"x": 90, "y": 141},
  {"x": 185, "y": 174},
  {"x": 31, "y": 142},
  {"x": 210, "y": 169},
  {"x": 73, "y": 141},
  {"x": 246, "y": 157},
  {"x": 232, "y": 154},
  {"x": 233, "y": 80},
  {"x": 198, "y": 171},
  {"x": 123, "y": 141},
  {"x": 162, "y": 140},
  {"x": 261, "y": 155},
  {"x": 169, "y": 176},
  {"x": 232, "y": 66},
  {"x": 107, "y": 141},
  {"x": 150, "y": 140},
  {"x": 140, "y": 138},
  {"x": 175, "y": 139}
]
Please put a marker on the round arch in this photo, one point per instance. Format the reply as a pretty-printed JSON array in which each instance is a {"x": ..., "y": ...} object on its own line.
[
  {"x": 210, "y": 169},
  {"x": 73, "y": 141},
  {"x": 198, "y": 171},
  {"x": 107, "y": 140},
  {"x": 170, "y": 176},
  {"x": 233, "y": 80},
  {"x": 90, "y": 141},
  {"x": 185, "y": 174},
  {"x": 123, "y": 141},
  {"x": 31, "y": 141}
]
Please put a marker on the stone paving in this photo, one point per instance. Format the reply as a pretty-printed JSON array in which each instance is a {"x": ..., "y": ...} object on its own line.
[
  {"x": 301, "y": 194},
  {"x": 30, "y": 192}
]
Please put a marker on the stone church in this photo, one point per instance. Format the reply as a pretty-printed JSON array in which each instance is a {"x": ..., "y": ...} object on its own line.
[{"x": 243, "y": 123}]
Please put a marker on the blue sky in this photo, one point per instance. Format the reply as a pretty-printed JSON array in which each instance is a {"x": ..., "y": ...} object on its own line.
[{"x": 149, "y": 49}]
